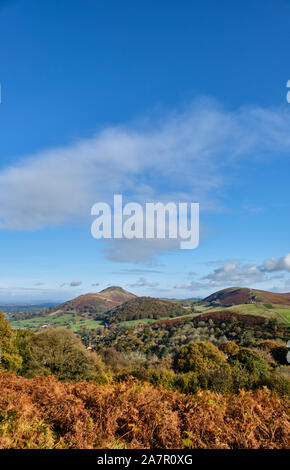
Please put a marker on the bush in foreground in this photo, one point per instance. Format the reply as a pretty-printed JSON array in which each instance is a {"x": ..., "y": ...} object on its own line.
[
  {"x": 61, "y": 353},
  {"x": 9, "y": 357}
]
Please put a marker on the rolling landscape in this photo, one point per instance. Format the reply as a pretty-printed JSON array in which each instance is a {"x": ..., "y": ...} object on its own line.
[
  {"x": 144, "y": 255},
  {"x": 116, "y": 305},
  {"x": 192, "y": 358}
]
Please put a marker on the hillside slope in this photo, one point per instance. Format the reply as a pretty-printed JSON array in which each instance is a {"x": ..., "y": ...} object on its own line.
[
  {"x": 145, "y": 307},
  {"x": 89, "y": 305},
  {"x": 243, "y": 295}
]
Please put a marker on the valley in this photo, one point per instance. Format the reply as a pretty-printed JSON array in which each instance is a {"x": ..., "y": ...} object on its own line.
[{"x": 116, "y": 305}]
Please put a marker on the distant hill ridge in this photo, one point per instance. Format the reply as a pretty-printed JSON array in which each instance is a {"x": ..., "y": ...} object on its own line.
[
  {"x": 115, "y": 304},
  {"x": 244, "y": 295},
  {"x": 98, "y": 302}
]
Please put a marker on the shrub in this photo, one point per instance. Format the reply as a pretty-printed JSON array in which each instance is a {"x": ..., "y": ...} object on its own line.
[
  {"x": 277, "y": 350},
  {"x": 252, "y": 361},
  {"x": 61, "y": 353},
  {"x": 198, "y": 357},
  {"x": 22, "y": 341},
  {"x": 249, "y": 369},
  {"x": 219, "y": 380},
  {"x": 10, "y": 359},
  {"x": 164, "y": 377},
  {"x": 130, "y": 415},
  {"x": 278, "y": 383},
  {"x": 187, "y": 383},
  {"x": 280, "y": 354},
  {"x": 229, "y": 348}
]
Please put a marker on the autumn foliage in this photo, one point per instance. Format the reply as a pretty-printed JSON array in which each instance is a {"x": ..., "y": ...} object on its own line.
[{"x": 45, "y": 413}]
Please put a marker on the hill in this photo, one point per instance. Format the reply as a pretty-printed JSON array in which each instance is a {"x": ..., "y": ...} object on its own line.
[
  {"x": 92, "y": 304},
  {"x": 144, "y": 307},
  {"x": 115, "y": 304},
  {"x": 243, "y": 295}
]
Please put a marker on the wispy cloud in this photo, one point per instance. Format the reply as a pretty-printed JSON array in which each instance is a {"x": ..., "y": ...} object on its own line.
[
  {"x": 192, "y": 285},
  {"x": 183, "y": 156},
  {"x": 137, "y": 271},
  {"x": 236, "y": 273},
  {"x": 71, "y": 284},
  {"x": 282, "y": 287},
  {"x": 137, "y": 250},
  {"x": 75, "y": 283},
  {"x": 60, "y": 185},
  {"x": 277, "y": 264},
  {"x": 143, "y": 282}
]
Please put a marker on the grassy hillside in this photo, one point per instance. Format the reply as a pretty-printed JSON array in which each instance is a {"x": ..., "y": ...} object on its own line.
[
  {"x": 93, "y": 305},
  {"x": 281, "y": 313},
  {"x": 139, "y": 309},
  {"x": 242, "y": 295}
]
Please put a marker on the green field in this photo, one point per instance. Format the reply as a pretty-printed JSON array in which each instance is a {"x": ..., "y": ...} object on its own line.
[
  {"x": 66, "y": 320},
  {"x": 279, "y": 312}
]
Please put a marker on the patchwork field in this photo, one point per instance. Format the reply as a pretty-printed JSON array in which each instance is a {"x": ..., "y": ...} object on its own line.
[
  {"x": 66, "y": 320},
  {"x": 75, "y": 322}
]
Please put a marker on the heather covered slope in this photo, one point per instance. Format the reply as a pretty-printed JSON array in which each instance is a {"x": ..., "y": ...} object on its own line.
[
  {"x": 94, "y": 303},
  {"x": 271, "y": 297},
  {"x": 243, "y": 295},
  {"x": 59, "y": 415}
]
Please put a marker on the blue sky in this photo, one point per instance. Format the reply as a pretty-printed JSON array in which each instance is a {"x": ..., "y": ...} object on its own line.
[{"x": 164, "y": 101}]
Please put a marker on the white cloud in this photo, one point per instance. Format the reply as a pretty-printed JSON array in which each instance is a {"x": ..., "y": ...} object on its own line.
[
  {"x": 137, "y": 250},
  {"x": 192, "y": 285},
  {"x": 190, "y": 153},
  {"x": 277, "y": 264},
  {"x": 230, "y": 274},
  {"x": 235, "y": 274},
  {"x": 137, "y": 271},
  {"x": 75, "y": 283},
  {"x": 282, "y": 287},
  {"x": 143, "y": 282}
]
